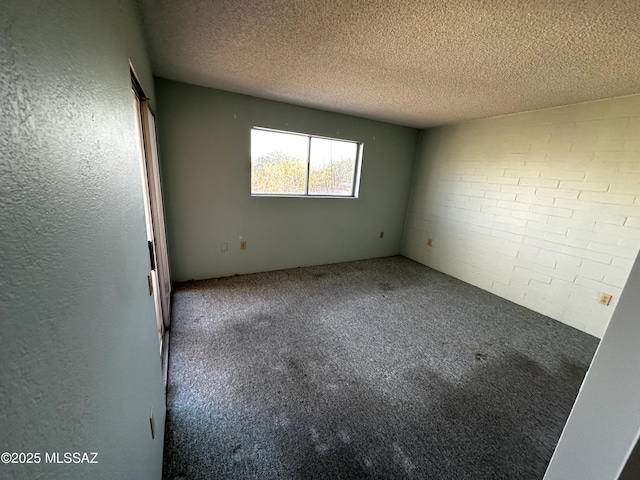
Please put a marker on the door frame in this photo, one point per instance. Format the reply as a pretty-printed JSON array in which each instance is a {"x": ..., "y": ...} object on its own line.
[{"x": 159, "y": 278}]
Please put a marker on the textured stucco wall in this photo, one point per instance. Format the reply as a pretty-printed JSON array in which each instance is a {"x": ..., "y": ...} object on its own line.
[
  {"x": 205, "y": 142},
  {"x": 541, "y": 208},
  {"x": 78, "y": 345}
]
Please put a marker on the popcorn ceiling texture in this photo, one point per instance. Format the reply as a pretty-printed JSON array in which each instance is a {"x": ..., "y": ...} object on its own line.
[{"x": 409, "y": 62}]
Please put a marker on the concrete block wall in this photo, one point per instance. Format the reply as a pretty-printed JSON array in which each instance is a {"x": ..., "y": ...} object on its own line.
[{"x": 541, "y": 208}]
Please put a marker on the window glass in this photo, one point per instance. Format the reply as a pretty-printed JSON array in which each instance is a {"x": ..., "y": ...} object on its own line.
[
  {"x": 293, "y": 164},
  {"x": 332, "y": 167},
  {"x": 278, "y": 163}
]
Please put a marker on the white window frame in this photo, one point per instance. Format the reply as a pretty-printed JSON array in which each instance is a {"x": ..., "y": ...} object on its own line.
[{"x": 355, "y": 186}]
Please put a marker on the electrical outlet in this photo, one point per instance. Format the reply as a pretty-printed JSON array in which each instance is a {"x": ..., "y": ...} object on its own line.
[
  {"x": 381, "y": 234},
  {"x": 430, "y": 242},
  {"x": 224, "y": 246},
  {"x": 605, "y": 298},
  {"x": 243, "y": 244}
]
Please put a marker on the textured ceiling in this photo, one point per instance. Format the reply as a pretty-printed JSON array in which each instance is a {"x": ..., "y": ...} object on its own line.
[{"x": 410, "y": 62}]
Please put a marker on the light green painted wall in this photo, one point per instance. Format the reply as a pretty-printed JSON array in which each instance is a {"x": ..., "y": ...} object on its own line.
[
  {"x": 78, "y": 344},
  {"x": 205, "y": 144}
]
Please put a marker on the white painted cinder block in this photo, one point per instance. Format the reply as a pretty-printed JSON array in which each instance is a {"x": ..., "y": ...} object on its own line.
[{"x": 541, "y": 208}]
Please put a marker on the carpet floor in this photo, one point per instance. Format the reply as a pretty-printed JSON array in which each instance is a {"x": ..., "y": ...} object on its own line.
[{"x": 379, "y": 368}]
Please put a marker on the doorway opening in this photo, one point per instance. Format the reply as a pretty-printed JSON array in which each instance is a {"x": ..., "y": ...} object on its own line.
[{"x": 158, "y": 279}]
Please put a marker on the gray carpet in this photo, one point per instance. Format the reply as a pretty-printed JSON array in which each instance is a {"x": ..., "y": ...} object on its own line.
[{"x": 380, "y": 368}]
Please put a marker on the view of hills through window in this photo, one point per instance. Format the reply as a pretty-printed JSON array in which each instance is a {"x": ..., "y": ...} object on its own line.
[{"x": 295, "y": 164}]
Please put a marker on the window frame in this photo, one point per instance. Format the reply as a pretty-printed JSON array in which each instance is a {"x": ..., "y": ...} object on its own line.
[{"x": 355, "y": 184}]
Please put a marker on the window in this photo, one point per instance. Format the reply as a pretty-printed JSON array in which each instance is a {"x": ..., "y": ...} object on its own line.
[{"x": 297, "y": 165}]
